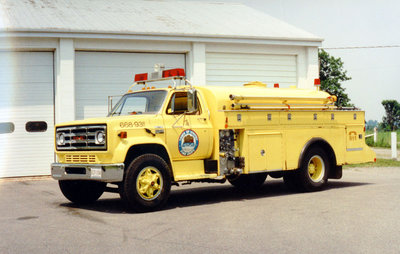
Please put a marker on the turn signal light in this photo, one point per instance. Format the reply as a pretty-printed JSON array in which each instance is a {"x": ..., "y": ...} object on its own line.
[{"x": 123, "y": 134}]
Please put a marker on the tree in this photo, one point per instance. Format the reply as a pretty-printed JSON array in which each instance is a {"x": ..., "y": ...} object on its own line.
[
  {"x": 371, "y": 124},
  {"x": 391, "y": 121},
  {"x": 331, "y": 74}
]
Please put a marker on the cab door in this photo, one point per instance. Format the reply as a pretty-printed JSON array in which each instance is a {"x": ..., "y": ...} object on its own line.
[{"x": 188, "y": 134}]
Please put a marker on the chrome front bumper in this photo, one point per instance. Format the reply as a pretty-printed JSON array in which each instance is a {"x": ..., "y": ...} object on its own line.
[{"x": 97, "y": 172}]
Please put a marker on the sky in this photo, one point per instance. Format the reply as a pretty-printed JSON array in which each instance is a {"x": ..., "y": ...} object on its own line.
[{"x": 343, "y": 23}]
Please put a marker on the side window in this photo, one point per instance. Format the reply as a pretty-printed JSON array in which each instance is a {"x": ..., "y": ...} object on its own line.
[
  {"x": 38, "y": 126},
  {"x": 178, "y": 104},
  {"x": 7, "y": 127}
]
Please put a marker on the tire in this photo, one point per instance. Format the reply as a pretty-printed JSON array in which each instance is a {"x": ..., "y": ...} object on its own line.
[
  {"x": 147, "y": 184},
  {"x": 81, "y": 191},
  {"x": 248, "y": 181},
  {"x": 314, "y": 171}
]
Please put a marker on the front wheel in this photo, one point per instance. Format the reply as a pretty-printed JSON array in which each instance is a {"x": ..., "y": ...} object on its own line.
[
  {"x": 147, "y": 183},
  {"x": 81, "y": 191}
]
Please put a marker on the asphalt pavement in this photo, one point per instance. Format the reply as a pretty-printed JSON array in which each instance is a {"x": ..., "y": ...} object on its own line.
[{"x": 357, "y": 214}]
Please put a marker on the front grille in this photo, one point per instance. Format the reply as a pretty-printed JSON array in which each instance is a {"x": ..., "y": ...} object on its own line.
[
  {"x": 80, "y": 158},
  {"x": 81, "y": 137}
]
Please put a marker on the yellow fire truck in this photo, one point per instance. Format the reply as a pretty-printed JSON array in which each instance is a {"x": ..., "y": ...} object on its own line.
[{"x": 157, "y": 137}]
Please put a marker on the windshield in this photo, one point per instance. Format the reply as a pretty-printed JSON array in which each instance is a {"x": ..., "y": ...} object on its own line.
[{"x": 148, "y": 102}]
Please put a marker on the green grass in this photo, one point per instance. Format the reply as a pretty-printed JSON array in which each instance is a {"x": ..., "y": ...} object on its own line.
[
  {"x": 379, "y": 163},
  {"x": 383, "y": 139}
]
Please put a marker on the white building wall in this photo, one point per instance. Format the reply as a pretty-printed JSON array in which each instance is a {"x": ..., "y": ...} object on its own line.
[
  {"x": 312, "y": 64},
  {"x": 197, "y": 64},
  {"x": 307, "y": 57},
  {"x": 65, "y": 50},
  {"x": 65, "y": 81}
]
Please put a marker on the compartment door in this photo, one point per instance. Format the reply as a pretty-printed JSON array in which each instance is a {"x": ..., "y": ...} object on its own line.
[
  {"x": 265, "y": 152},
  {"x": 354, "y": 137}
]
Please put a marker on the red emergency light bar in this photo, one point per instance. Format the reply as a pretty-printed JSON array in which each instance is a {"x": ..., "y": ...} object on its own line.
[
  {"x": 173, "y": 72},
  {"x": 142, "y": 77}
]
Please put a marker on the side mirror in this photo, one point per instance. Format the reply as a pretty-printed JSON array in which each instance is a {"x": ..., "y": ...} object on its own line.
[
  {"x": 110, "y": 105},
  {"x": 172, "y": 110},
  {"x": 192, "y": 101}
]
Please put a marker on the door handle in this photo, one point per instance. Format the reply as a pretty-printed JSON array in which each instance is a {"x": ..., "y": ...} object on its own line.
[{"x": 202, "y": 118}]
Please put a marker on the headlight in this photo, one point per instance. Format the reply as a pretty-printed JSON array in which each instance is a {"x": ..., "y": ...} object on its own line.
[
  {"x": 100, "y": 137},
  {"x": 60, "y": 139}
]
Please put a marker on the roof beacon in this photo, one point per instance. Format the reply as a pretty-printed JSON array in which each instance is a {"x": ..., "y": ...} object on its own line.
[
  {"x": 141, "y": 77},
  {"x": 317, "y": 83},
  {"x": 158, "y": 75},
  {"x": 178, "y": 72}
]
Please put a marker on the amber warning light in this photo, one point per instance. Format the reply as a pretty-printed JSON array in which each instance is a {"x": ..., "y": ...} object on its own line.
[{"x": 123, "y": 134}]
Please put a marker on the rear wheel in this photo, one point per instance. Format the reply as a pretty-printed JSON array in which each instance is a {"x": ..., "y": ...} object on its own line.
[
  {"x": 147, "y": 183},
  {"x": 313, "y": 172},
  {"x": 81, "y": 191},
  {"x": 248, "y": 181}
]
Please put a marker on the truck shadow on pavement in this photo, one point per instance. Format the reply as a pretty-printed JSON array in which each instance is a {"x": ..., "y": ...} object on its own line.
[{"x": 212, "y": 194}]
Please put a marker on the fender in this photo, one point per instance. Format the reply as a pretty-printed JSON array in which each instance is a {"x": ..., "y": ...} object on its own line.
[
  {"x": 123, "y": 147},
  {"x": 324, "y": 144}
]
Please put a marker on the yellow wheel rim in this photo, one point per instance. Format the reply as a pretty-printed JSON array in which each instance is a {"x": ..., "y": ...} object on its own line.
[
  {"x": 149, "y": 183},
  {"x": 316, "y": 168}
]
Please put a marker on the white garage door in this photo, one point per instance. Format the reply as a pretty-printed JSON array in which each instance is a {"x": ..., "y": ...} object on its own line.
[
  {"x": 100, "y": 74},
  {"x": 226, "y": 69},
  {"x": 26, "y": 113}
]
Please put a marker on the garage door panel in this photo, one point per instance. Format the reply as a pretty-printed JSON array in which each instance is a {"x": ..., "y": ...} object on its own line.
[
  {"x": 27, "y": 59},
  {"x": 216, "y": 67},
  {"x": 227, "y": 69},
  {"x": 27, "y": 95},
  {"x": 249, "y": 59},
  {"x": 103, "y": 75},
  {"x": 220, "y": 55},
  {"x": 250, "y": 62},
  {"x": 100, "y": 74},
  {"x": 262, "y": 73},
  {"x": 115, "y": 59},
  {"x": 248, "y": 78},
  {"x": 20, "y": 75}
]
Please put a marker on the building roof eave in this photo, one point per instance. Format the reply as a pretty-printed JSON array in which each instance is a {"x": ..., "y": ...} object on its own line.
[{"x": 51, "y": 33}]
